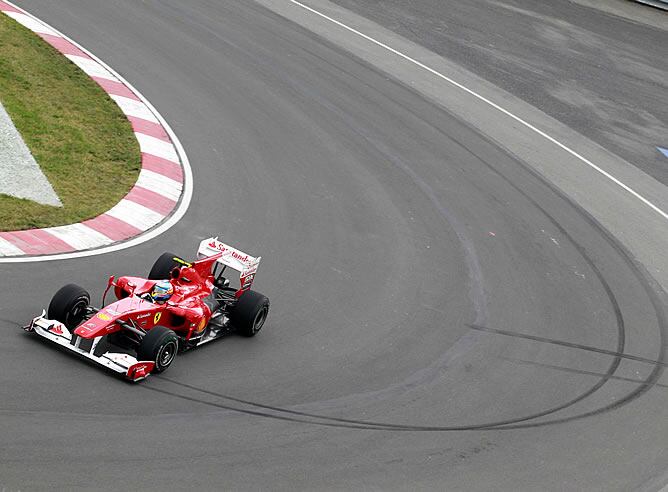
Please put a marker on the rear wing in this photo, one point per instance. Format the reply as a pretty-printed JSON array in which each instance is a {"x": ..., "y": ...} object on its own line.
[{"x": 242, "y": 262}]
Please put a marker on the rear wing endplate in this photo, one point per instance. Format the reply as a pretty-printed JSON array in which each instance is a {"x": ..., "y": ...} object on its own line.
[{"x": 242, "y": 262}]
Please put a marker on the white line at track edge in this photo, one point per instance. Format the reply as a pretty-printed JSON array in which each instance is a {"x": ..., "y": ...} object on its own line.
[{"x": 491, "y": 103}]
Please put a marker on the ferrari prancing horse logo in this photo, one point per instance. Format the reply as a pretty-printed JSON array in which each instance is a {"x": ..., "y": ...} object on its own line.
[{"x": 156, "y": 318}]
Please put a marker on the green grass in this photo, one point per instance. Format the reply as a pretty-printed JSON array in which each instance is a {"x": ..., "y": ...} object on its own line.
[{"x": 76, "y": 132}]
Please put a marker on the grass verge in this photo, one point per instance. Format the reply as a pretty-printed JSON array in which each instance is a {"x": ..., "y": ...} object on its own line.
[{"x": 78, "y": 135}]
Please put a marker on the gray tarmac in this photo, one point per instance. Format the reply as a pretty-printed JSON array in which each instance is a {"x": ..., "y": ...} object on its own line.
[
  {"x": 444, "y": 315},
  {"x": 599, "y": 67}
]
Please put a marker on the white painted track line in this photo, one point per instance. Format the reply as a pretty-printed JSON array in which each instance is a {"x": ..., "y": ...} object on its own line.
[
  {"x": 8, "y": 249},
  {"x": 91, "y": 67},
  {"x": 489, "y": 102},
  {"x": 79, "y": 236},
  {"x": 31, "y": 23},
  {"x": 136, "y": 215},
  {"x": 157, "y": 147},
  {"x": 159, "y": 184},
  {"x": 134, "y": 108}
]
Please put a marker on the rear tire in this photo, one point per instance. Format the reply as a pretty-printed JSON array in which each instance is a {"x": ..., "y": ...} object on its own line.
[
  {"x": 69, "y": 305},
  {"x": 160, "y": 346},
  {"x": 163, "y": 266},
  {"x": 249, "y": 313}
]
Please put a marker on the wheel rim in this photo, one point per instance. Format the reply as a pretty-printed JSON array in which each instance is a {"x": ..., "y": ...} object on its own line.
[
  {"x": 260, "y": 317},
  {"x": 76, "y": 314},
  {"x": 166, "y": 354}
]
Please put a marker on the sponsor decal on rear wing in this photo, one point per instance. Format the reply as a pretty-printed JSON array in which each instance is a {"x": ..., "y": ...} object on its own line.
[{"x": 242, "y": 262}]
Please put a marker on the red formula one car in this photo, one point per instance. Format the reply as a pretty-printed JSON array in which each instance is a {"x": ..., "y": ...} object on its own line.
[{"x": 181, "y": 305}]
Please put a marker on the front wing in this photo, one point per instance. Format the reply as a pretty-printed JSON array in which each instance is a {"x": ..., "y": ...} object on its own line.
[{"x": 120, "y": 363}]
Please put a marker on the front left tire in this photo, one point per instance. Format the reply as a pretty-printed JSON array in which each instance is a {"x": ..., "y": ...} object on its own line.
[
  {"x": 69, "y": 305},
  {"x": 160, "y": 346}
]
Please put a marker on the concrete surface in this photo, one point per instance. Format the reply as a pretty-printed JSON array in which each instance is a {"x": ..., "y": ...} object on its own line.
[{"x": 20, "y": 175}]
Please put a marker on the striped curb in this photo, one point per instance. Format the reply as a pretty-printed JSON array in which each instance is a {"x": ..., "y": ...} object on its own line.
[{"x": 159, "y": 187}]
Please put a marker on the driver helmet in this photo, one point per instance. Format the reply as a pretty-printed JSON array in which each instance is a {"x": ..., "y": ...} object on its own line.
[{"x": 162, "y": 291}]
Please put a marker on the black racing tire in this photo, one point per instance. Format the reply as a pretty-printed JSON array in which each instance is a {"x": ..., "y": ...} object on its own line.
[
  {"x": 69, "y": 305},
  {"x": 249, "y": 313},
  {"x": 163, "y": 267},
  {"x": 160, "y": 346}
]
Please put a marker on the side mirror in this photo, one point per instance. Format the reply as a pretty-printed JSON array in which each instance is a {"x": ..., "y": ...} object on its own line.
[
  {"x": 175, "y": 273},
  {"x": 110, "y": 282}
]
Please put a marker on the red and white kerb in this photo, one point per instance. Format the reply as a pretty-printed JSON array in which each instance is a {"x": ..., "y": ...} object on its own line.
[{"x": 157, "y": 190}]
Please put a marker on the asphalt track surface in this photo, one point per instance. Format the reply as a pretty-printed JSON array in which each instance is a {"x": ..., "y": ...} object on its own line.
[
  {"x": 602, "y": 72},
  {"x": 442, "y": 316}
]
